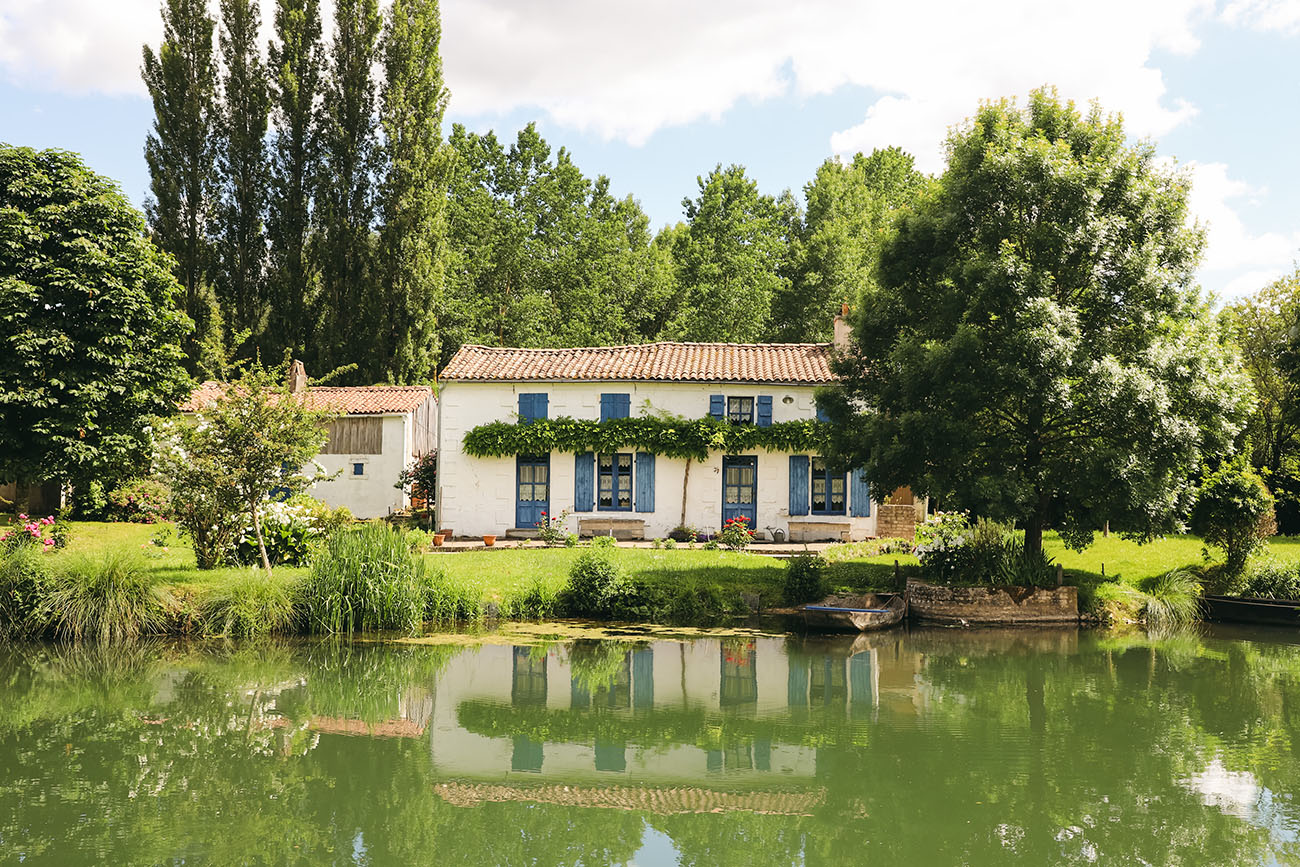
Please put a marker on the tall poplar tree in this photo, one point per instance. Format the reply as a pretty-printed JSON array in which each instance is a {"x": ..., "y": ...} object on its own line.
[
  {"x": 181, "y": 79},
  {"x": 413, "y": 194},
  {"x": 295, "y": 70},
  {"x": 345, "y": 199},
  {"x": 242, "y": 121}
]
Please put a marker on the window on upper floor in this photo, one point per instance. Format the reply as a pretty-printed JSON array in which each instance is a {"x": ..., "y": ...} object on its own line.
[{"x": 740, "y": 410}]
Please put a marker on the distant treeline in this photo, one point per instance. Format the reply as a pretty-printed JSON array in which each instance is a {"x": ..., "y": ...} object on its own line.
[{"x": 312, "y": 203}]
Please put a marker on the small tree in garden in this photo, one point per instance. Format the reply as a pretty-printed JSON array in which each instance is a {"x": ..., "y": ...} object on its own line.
[
  {"x": 205, "y": 502},
  {"x": 420, "y": 481},
  {"x": 1234, "y": 512},
  {"x": 252, "y": 440}
]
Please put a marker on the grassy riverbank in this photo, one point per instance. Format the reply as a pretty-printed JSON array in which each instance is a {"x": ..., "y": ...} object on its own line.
[{"x": 503, "y": 578}]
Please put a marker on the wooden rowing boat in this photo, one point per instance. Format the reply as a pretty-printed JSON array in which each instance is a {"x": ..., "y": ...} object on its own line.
[
  {"x": 855, "y": 613},
  {"x": 1248, "y": 609}
]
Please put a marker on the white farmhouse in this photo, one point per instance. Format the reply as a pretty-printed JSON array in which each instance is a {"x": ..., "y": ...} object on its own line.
[
  {"x": 635, "y": 494},
  {"x": 380, "y": 430}
]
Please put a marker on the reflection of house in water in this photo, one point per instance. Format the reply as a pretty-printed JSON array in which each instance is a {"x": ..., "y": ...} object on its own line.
[{"x": 700, "y": 712}]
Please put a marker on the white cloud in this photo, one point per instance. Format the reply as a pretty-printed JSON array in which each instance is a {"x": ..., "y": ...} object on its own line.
[
  {"x": 77, "y": 46},
  {"x": 1237, "y": 260},
  {"x": 1283, "y": 15}
]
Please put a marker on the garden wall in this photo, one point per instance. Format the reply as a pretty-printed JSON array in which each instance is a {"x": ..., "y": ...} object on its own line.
[{"x": 991, "y": 604}]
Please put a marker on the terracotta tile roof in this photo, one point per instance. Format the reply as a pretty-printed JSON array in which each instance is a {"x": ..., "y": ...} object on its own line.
[
  {"x": 669, "y": 362},
  {"x": 664, "y": 801},
  {"x": 354, "y": 400}
]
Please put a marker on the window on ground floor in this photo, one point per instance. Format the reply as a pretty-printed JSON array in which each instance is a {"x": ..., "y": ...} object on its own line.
[
  {"x": 828, "y": 488},
  {"x": 614, "y": 482}
]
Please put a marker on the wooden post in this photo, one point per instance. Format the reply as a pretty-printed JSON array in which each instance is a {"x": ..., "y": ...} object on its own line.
[
  {"x": 1060, "y": 574},
  {"x": 895, "y": 572}
]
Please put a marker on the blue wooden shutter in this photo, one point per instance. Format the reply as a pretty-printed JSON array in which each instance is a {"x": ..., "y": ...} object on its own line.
[
  {"x": 615, "y": 406},
  {"x": 645, "y": 482},
  {"x": 798, "y": 484},
  {"x": 859, "y": 495},
  {"x": 584, "y": 482},
  {"x": 532, "y": 407},
  {"x": 821, "y": 414},
  {"x": 718, "y": 406},
  {"x": 765, "y": 410}
]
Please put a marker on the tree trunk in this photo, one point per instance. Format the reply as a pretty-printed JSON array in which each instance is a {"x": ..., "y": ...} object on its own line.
[
  {"x": 686, "y": 480},
  {"x": 261, "y": 544}
]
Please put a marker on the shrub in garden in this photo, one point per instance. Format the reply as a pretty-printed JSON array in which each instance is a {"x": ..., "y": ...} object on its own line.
[
  {"x": 604, "y": 542},
  {"x": 571, "y": 540},
  {"x": 250, "y": 604},
  {"x": 1016, "y": 567},
  {"x": 140, "y": 501},
  {"x": 292, "y": 531},
  {"x": 111, "y": 598},
  {"x": 736, "y": 533},
  {"x": 24, "y": 574},
  {"x": 805, "y": 579},
  {"x": 596, "y": 585},
  {"x": 1272, "y": 579},
  {"x": 551, "y": 530},
  {"x": 1234, "y": 512},
  {"x": 366, "y": 579},
  {"x": 942, "y": 546}
]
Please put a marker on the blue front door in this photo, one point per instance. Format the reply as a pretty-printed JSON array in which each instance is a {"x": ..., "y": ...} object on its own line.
[
  {"x": 532, "y": 490},
  {"x": 740, "y": 488}
]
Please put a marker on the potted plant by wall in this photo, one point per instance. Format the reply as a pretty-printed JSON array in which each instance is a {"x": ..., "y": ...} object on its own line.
[
  {"x": 438, "y": 539},
  {"x": 489, "y": 540}
]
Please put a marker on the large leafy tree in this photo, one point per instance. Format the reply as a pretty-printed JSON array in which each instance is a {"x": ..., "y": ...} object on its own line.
[
  {"x": 241, "y": 158},
  {"x": 1265, "y": 327},
  {"x": 89, "y": 329},
  {"x": 412, "y": 195},
  {"x": 180, "y": 151},
  {"x": 1034, "y": 349},
  {"x": 730, "y": 259},
  {"x": 345, "y": 196},
  {"x": 541, "y": 255},
  {"x": 295, "y": 70},
  {"x": 850, "y": 214}
]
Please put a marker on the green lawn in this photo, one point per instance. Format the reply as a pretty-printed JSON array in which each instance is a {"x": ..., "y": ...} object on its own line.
[{"x": 499, "y": 574}]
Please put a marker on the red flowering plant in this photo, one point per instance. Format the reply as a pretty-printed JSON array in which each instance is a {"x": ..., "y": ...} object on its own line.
[
  {"x": 736, "y": 533},
  {"x": 551, "y": 529},
  {"x": 31, "y": 531}
]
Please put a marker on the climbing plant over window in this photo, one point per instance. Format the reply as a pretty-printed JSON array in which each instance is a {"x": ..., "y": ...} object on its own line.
[{"x": 665, "y": 436}]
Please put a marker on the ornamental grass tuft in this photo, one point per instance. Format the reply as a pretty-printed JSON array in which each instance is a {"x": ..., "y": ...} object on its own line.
[
  {"x": 250, "y": 604},
  {"x": 366, "y": 579},
  {"x": 110, "y": 599},
  {"x": 1173, "y": 599}
]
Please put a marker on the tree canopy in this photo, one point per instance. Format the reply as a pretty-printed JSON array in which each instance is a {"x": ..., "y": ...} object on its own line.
[
  {"x": 89, "y": 324},
  {"x": 1035, "y": 348}
]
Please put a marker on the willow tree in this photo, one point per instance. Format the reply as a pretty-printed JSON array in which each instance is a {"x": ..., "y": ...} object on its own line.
[{"x": 1035, "y": 349}]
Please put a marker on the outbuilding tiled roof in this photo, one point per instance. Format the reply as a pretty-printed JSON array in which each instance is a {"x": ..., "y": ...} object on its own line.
[
  {"x": 667, "y": 362},
  {"x": 348, "y": 400}
]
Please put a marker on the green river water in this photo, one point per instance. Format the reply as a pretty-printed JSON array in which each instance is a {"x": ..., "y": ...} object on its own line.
[{"x": 909, "y": 747}]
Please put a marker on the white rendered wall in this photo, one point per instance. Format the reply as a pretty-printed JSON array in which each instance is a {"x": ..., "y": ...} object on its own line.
[
  {"x": 372, "y": 495},
  {"x": 477, "y": 495}
]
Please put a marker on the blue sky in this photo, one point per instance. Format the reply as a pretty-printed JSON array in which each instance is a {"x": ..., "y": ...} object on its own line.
[{"x": 654, "y": 95}]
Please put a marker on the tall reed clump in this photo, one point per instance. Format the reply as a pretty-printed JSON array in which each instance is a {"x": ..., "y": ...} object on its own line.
[
  {"x": 448, "y": 600},
  {"x": 1173, "y": 599},
  {"x": 110, "y": 598},
  {"x": 23, "y": 578},
  {"x": 250, "y": 604},
  {"x": 366, "y": 579}
]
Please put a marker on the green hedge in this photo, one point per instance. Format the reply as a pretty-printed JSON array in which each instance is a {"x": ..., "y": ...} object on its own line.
[{"x": 671, "y": 437}]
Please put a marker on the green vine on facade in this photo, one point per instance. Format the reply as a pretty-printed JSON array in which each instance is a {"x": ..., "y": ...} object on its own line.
[{"x": 665, "y": 437}]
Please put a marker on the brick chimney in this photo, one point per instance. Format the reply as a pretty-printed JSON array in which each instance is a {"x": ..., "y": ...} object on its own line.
[
  {"x": 842, "y": 330},
  {"x": 298, "y": 377}
]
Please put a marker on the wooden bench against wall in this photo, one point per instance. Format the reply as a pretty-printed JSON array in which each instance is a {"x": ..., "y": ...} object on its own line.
[
  {"x": 819, "y": 531},
  {"x": 625, "y": 529}
]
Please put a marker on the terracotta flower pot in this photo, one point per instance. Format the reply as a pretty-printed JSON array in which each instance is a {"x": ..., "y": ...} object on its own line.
[
  {"x": 438, "y": 539},
  {"x": 489, "y": 541}
]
